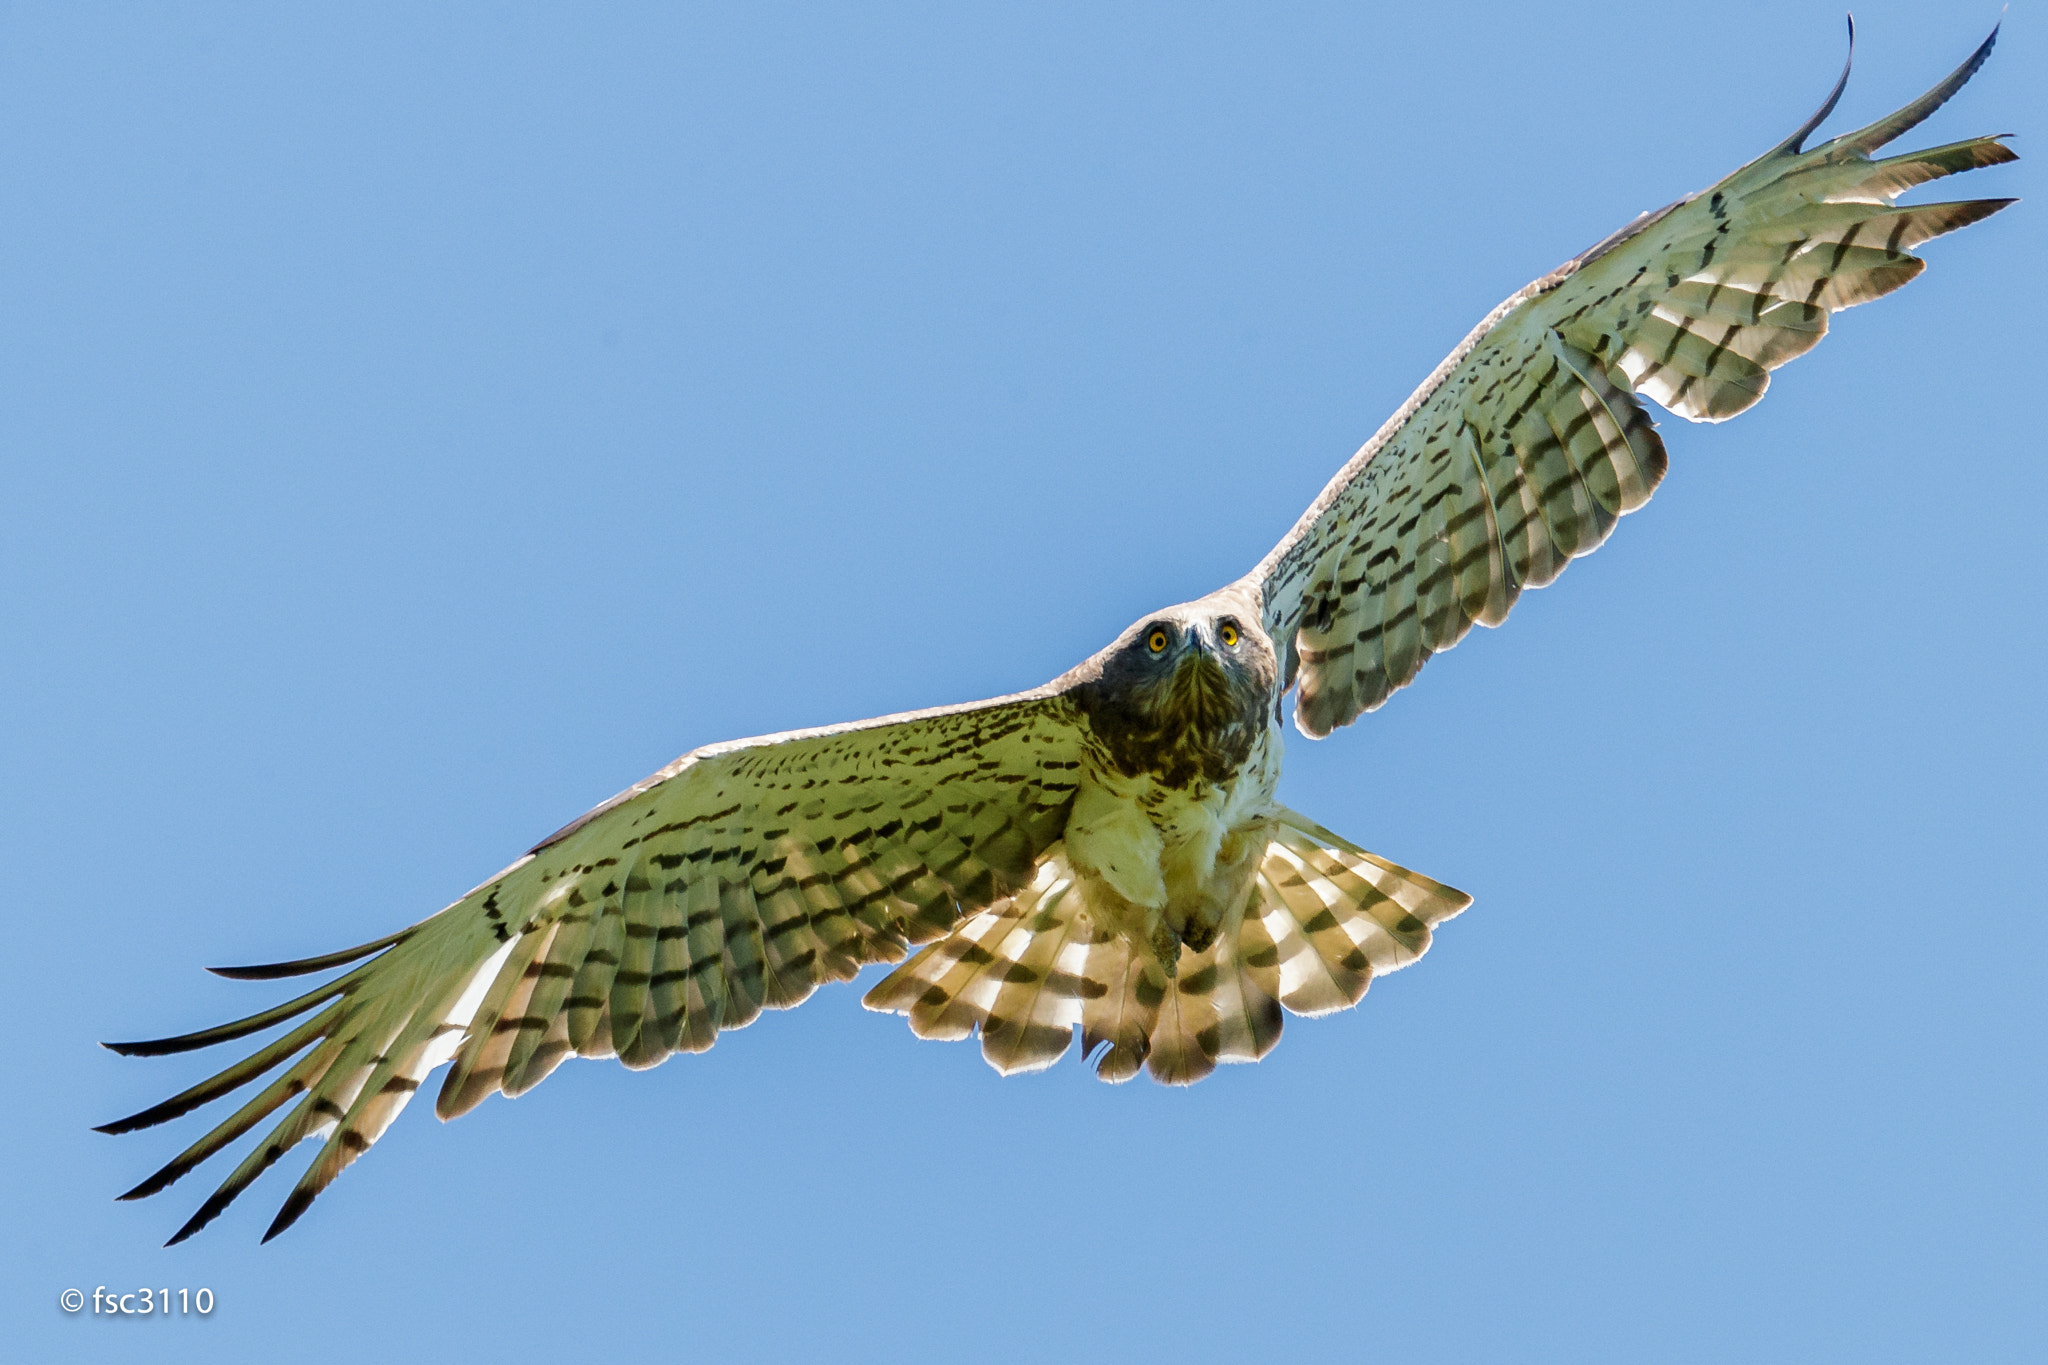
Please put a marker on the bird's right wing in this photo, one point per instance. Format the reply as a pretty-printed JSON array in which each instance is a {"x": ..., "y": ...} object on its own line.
[
  {"x": 737, "y": 879},
  {"x": 1529, "y": 441}
]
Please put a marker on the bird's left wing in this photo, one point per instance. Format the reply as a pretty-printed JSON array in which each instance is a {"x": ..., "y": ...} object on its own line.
[
  {"x": 1527, "y": 443},
  {"x": 737, "y": 879}
]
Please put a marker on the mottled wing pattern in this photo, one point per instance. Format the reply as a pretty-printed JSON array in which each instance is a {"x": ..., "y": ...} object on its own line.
[
  {"x": 1530, "y": 440},
  {"x": 738, "y": 879}
]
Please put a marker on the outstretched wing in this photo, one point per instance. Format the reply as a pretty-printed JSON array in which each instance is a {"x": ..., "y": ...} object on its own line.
[
  {"x": 737, "y": 879},
  {"x": 1529, "y": 441}
]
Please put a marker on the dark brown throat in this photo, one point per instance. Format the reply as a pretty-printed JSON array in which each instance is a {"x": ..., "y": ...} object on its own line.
[
  {"x": 1200, "y": 699},
  {"x": 1196, "y": 723}
]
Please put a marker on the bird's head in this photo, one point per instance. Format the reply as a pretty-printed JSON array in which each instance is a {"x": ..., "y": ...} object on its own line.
[{"x": 1189, "y": 685}]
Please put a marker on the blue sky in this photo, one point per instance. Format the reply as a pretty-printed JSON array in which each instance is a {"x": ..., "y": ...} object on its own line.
[{"x": 418, "y": 426}]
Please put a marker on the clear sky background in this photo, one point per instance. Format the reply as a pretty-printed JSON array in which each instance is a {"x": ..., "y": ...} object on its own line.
[{"x": 418, "y": 425}]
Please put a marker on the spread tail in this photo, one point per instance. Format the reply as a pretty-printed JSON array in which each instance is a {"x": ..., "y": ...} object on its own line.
[{"x": 1324, "y": 917}]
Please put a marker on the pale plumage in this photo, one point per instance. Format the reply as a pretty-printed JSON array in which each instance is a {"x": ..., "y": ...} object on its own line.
[
  {"x": 1528, "y": 442},
  {"x": 1105, "y": 852}
]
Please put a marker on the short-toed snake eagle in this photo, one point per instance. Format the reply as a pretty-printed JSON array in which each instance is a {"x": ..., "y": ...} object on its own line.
[{"x": 1105, "y": 852}]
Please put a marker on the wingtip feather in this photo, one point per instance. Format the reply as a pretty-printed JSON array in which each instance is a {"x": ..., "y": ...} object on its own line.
[
  {"x": 155, "y": 1184},
  {"x": 296, "y": 1204},
  {"x": 207, "y": 1212},
  {"x": 1869, "y": 138},
  {"x": 143, "y": 1118},
  {"x": 305, "y": 966},
  {"x": 239, "y": 1028},
  {"x": 1794, "y": 144},
  {"x": 136, "y": 1049}
]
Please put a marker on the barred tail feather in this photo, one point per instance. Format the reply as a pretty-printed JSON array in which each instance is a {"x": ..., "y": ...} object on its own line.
[
  {"x": 1213, "y": 1012},
  {"x": 1323, "y": 918},
  {"x": 1033, "y": 1013},
  {"x": 1014, "y": 972},
  {"x": 1116, "y": 1028},
  {"x": 1331, "y": 916}
]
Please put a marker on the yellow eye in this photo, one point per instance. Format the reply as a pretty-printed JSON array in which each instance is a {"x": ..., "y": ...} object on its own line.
[
  {"x": 1228, "y": 635},
  {"x": 1156, "y": 642}
]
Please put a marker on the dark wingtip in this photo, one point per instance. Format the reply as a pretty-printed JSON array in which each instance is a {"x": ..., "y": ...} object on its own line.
[
  {"x": 208, "y": 1211},
  {"x": 156, "y": 1184},
  {"x": 1792, "y": 145},
  {"x": 139, "y": 1049},
  {"x": 148, "y": 1118},
  {"x": 298, "y": 1203},
  {"x": 188, "y": 1042},
  {"x": 1869, "y": 139},
  {"x": 239, "y": 1028},
  {"x": 271, "y": 971}
]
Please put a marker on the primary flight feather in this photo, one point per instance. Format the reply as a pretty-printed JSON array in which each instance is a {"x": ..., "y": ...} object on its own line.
[{"x": 1105, "y": 852}]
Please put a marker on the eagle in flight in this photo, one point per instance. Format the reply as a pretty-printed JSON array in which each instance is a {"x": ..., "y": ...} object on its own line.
[{"x": 1106, "y": 851}]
